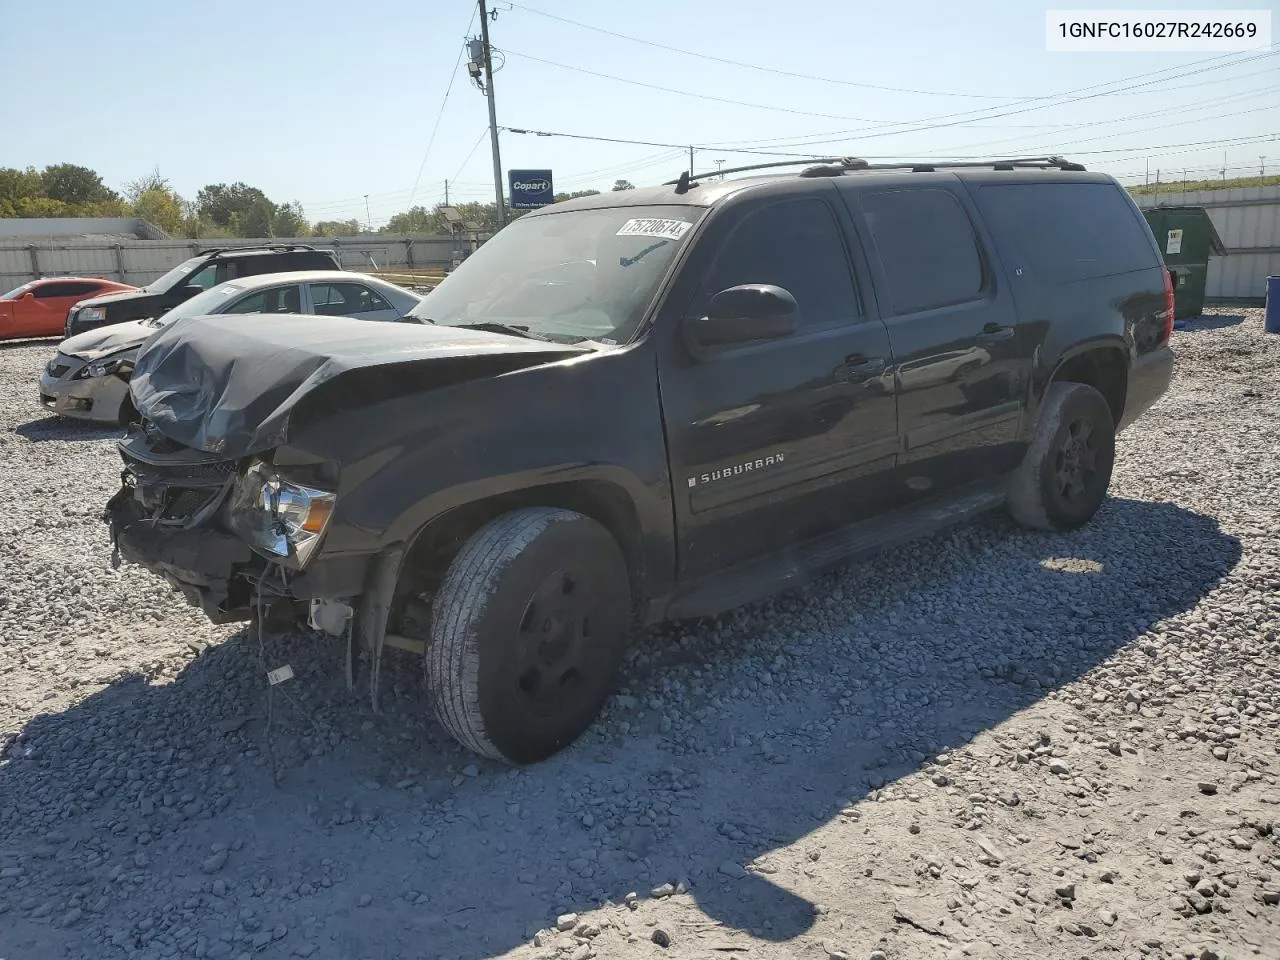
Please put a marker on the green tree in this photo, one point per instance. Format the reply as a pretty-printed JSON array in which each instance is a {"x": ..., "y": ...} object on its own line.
[
  {"x": 151, "y": 181},
  {"x": 258, "y": 220},
  {"x": 290, "y": 221},
  {"x": 17, "y": 186},
  {"x": 623, "y": 185},
  {"x": 336, "y": 228},
  {"x": 418, "y": 220},
  {"x": 219, "y": 203},
  {"x": 161, "y": 206},
  {"x": 41, "y": 207},
  {"x": 75, "y": 185}
]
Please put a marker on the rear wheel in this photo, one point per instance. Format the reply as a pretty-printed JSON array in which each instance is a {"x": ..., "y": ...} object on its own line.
[
  {"x": 527, "y": 633},
  {"x": 1064, "y": 476}
]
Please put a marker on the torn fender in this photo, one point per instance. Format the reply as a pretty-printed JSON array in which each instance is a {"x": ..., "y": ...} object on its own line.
[{"x": 228, "y": 384}]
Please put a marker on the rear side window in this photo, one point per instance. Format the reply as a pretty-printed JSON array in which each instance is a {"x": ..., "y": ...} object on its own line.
[
  {"x": 1068, "y": 231},
  {"x": 926, "y": 246},
  {"x": 345, "y": 299}
]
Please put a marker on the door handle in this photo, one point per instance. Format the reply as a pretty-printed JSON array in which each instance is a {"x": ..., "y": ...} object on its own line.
[
  {"x": 994, "y": 332},
  {"x": 856, "y": 366}
]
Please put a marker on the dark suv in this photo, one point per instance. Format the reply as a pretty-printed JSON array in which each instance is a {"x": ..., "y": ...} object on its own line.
[
  {"x": 194, "y": 276},
  {"x": 649, "y": 404}
]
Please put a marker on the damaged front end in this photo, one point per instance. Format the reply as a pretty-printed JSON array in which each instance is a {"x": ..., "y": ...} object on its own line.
[
  {"x": 164, "y": 517},
  {"x": 226, "y": 533}
]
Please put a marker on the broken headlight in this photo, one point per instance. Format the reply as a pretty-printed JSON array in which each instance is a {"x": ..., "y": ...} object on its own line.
[
  {"x": 279, "y": 517},
  {"x": 102, "y": 368}
]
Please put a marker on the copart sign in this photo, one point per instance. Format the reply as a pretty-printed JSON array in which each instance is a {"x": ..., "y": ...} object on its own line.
[{"x": 530, "y": 188}]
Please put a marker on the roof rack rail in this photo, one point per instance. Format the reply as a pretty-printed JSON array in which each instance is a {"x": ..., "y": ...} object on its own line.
[
  {"x": 257, "y": 246},
  {"x": 850, "y": 163},
  {"x": 831, "y": 166}
]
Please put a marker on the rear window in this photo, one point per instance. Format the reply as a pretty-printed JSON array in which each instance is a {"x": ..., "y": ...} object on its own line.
[{"x": 1068, "y": 231}]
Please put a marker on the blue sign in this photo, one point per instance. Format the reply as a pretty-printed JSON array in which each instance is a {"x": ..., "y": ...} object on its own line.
[{"x": 530, "y": 188}]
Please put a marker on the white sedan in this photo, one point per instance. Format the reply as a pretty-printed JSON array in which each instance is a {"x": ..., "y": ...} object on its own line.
[{"x": 88, "y": 379}]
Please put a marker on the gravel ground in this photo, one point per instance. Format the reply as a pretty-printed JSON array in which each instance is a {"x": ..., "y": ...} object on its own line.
[{"x": 990, "y": 744}]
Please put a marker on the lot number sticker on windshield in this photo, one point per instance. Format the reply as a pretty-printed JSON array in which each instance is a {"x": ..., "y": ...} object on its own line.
[
  {"x": 1175, "y": 242},
  {"x": 662, "y": 229}
]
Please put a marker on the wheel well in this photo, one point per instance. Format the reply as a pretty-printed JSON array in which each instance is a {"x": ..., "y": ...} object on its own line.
[
  {"x": 1103, "y": 369},
  {"x": 436, "y": 544}
]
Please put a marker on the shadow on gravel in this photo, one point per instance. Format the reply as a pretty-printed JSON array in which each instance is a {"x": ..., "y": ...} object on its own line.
[
  {"x": 59, "y": 428},
  {"x": 1205, "y": 323},
  {"x": 467, "y": 861}
]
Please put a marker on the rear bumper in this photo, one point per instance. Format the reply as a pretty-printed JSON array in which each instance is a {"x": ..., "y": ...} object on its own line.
[{"x": 1149, "y": 380}]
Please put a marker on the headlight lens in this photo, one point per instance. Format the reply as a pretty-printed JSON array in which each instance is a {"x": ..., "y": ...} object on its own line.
[
  {"x": 102, "y": 368},
  {"x": 278, "y": 517},
  {"x": 92, "y": 314}
]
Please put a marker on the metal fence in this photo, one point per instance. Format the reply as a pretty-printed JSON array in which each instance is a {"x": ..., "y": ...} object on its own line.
[
  {"x": 140, "y": 261},
  {"x": 1248, "y": 220}
]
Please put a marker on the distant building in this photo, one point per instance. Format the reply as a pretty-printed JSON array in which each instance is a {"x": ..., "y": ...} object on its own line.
[{"x": 79, "y": 228}]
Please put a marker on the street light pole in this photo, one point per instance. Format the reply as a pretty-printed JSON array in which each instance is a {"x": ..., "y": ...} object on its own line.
[{"x": 499, "y": 199}]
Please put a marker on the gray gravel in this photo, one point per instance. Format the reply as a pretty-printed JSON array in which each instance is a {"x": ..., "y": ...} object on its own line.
[{"x": 990, "y": 744}]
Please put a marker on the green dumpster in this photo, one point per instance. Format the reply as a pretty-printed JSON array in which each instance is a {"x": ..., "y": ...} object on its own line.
[{"x": 1187, "y": 240}]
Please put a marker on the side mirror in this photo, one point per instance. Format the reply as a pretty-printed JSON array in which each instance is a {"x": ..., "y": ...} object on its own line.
[
  {"x": 190, "y": 290},
  {"x": 745, "y": 314},
  {"x": 28, "y": 295}
]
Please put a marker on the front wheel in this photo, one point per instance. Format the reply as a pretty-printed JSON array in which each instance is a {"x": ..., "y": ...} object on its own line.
[
  {"x": 1064, "y": 476},
  {"x": 527, "y": 633}
]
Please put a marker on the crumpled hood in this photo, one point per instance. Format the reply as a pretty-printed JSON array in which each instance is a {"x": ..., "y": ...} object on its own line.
[
  {"x": 227, "y": 386},
  {"x": 104, "y": 341}
]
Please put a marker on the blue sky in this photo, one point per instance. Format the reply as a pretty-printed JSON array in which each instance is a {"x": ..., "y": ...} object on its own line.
[{"x": 327, "y": 101}]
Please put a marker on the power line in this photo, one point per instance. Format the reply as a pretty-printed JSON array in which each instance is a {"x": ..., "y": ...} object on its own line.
[
  {"x": 686, "y": 93},
  {"x": 863, "y": 133},
  {"x": 752, "y": 66},
  {"x": 470, "y": 153},
  {"x": 1197, "y": 105},
  {"x": 453, "y": 75}
]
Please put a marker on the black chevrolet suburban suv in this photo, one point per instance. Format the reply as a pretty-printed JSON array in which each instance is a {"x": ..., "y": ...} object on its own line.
[
  {"x": 193, "y": 276},
  {"x": 650, "y": 404}
]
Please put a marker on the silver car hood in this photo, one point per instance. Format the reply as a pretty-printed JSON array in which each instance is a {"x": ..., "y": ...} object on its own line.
[{"x": 105, "y": 341}]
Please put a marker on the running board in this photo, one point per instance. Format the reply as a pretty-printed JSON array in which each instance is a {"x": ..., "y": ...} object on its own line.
[{"x": 782, "y": 569}]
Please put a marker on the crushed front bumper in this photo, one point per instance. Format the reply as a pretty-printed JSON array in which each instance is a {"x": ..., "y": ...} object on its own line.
[
  {"x": 168, "y": 517},
  {"x": 209, "y": 567}
]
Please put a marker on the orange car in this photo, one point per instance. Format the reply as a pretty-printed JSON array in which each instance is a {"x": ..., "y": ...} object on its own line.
[{"x": 39, "y": 308}]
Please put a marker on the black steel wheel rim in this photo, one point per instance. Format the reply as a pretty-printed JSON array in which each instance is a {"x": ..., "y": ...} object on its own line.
[
  {"x": 1077, "y": 461},
  {"x": 553, "y": 675}
]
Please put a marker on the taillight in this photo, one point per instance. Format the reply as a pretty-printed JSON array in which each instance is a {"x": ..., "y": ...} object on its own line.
[{"x": 1168, "y": 305}]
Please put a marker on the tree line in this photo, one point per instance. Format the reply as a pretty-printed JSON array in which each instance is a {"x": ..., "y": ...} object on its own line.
[{"x": 218, "y": 209}]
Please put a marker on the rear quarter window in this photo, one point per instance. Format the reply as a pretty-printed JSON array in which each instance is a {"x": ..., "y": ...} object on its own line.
[{"x": 1068, "y": 231}]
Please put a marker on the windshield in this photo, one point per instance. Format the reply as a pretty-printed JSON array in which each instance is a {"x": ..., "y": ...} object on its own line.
[
  {"x": 211, "y": 301},
  {"x": 173, "y": 277},
  {"x": 16, "y": 292},
  {"x": 578, "y": 275}
]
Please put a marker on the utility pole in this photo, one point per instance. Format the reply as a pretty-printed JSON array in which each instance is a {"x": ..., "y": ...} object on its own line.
[
  {"x": 719, "y": 164},
  {"x": 1262, "y": 165},
  {"x": 691, "y": 160},
  {"x": 368, "y": 217},
  {"x": 487, "y": 54},
  {"x": 446, "y": 193}
]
